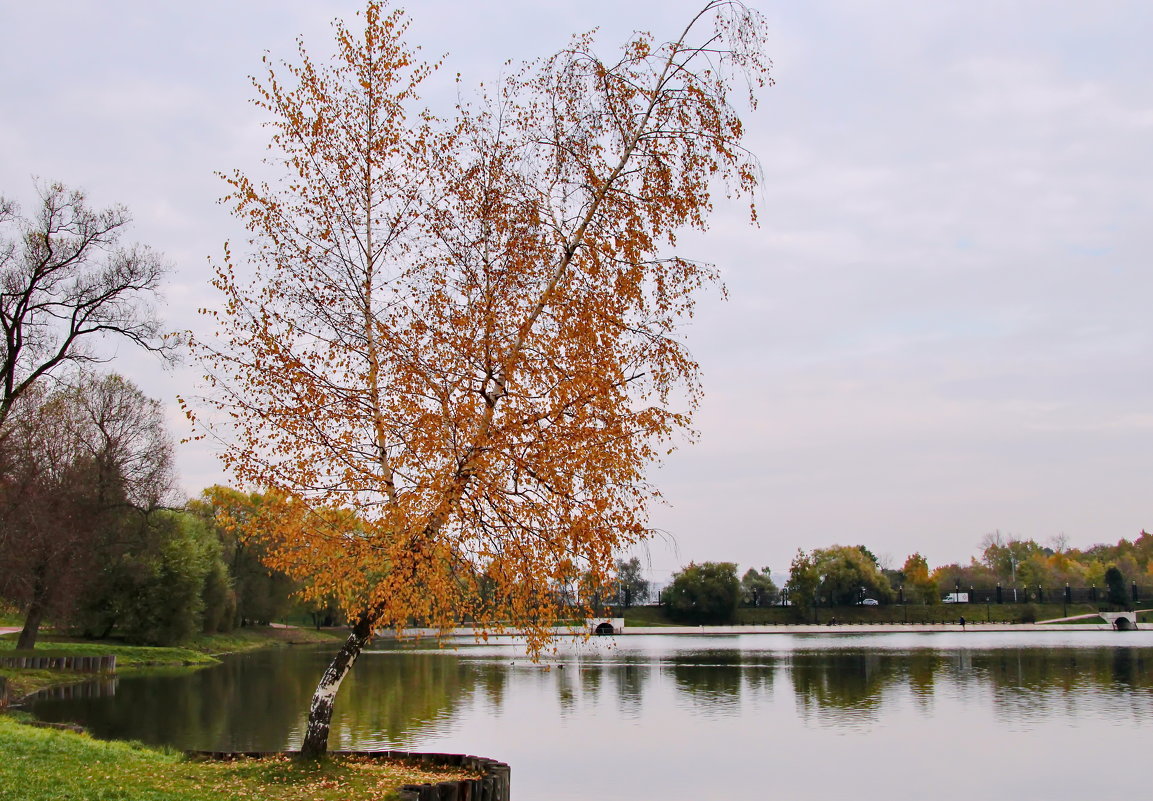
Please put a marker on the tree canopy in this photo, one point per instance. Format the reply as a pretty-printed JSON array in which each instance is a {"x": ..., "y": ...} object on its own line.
[
  {"x": 704, "y": 593},
  {"x": 758, "y": 586},
  {"x": 464, "y": 330},
  {"x": 838, "y": 574},
  {"x": 631, "y": 585},
  {"x": 75, "y": 465}
]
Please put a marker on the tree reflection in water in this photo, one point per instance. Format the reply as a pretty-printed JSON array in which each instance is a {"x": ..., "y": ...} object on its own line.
[
  {"x": 403, "y": 696},
  {"x": 845, "y": 686},
  {"x": 630, "y": 678},
  {"x": 716, "y": 682}
]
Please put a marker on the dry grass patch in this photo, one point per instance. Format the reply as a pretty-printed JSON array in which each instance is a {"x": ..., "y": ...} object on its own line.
[{"x": 338, "y": 777}]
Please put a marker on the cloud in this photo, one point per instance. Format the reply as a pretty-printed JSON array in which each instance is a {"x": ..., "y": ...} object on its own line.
[{"x": 940, "y": 328}]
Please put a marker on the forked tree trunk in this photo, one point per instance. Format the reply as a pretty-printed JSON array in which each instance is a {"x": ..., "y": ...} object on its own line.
[{"x": 315, "y": 743}]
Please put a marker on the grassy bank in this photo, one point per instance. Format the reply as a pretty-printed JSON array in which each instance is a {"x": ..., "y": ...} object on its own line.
[
  {"x": 48, "y": 765},
  {"x": 939, "y": 613},
  {"x": 201, "y": 652}
]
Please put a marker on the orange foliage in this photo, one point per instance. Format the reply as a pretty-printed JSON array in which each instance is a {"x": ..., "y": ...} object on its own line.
[{"x": 456, "y": 358}]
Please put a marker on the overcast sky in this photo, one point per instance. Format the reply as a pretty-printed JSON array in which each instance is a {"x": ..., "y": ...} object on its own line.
[{"x": 941, "y": 328}]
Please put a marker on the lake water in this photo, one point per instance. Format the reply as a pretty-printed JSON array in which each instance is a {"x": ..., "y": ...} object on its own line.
[{"x": 966, "y": 716}]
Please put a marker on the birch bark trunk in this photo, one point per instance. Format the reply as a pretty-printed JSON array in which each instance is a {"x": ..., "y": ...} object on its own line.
[{"x": 315, "y": 743}]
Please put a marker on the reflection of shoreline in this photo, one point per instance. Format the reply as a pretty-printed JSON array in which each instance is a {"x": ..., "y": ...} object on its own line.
[{"x": 103, "y": 687}]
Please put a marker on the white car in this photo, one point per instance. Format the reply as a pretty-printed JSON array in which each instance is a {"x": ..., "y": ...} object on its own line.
[{"x": 870, "y": 602}]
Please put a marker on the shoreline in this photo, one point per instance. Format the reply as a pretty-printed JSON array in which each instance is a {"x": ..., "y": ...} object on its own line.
[{"x": 191, "y": 657}]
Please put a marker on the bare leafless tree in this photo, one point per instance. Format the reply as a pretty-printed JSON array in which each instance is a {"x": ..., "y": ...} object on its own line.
[{"x": 66, "y": 280}]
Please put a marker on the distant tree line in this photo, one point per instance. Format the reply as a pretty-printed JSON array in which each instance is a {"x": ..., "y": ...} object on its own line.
[
  {"x": 840, "y": 575},
  {"x": 1024, "y": 563}
]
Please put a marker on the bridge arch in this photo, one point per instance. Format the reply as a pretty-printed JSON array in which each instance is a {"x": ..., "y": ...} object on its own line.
[{"x": 1121, "y": 621}]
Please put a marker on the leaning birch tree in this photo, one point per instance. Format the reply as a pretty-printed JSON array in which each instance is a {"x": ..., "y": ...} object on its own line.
[{"x": 452, "y": 354}]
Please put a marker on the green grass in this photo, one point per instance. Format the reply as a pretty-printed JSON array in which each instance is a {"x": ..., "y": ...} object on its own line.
[
  {"x": 647, "y": 616},
  {"x": 201, "y": 652},
  {"x": 53, "y": 765},
  {"x": 253, "y": 637}
]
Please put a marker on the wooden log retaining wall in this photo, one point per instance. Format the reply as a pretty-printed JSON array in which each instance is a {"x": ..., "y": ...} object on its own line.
[
  {"x": 494, "y": 783},
  {"x": 79, "y": 664}
]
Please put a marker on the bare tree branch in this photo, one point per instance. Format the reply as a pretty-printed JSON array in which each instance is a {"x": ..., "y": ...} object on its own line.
[{"x": 66, "y": 282}]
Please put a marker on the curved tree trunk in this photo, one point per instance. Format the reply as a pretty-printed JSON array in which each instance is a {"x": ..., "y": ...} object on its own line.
[
  {"x": 35, "y": 613},
  {"x": 31, "y": 628},
  {"x": 315, "y": 743}
]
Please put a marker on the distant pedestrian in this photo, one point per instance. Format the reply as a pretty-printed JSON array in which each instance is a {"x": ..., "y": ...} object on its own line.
[{"x": 962, "y": 622}]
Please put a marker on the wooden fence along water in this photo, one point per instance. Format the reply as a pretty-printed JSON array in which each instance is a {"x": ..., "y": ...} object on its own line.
[{"x": 79, "y": 664}]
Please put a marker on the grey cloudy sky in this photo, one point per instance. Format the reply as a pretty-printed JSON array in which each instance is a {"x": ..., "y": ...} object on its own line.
[{"x": 942, "y": 326}]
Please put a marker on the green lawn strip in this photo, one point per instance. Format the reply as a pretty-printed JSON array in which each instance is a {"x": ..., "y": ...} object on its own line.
[
  {"x": 250, "y": 638},
  {"x": 10, "y": 615},
  {"x": 126, "y": 655},
  {"x": 646, "y": 616},
  {"x": 23, "y": 682},
  {"x": 201, "y": 652},
  {"x": 52, "y": 765}
]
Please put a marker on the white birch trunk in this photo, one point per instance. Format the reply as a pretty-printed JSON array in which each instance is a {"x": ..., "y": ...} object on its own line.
[{"x": 315, "y": 743}]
